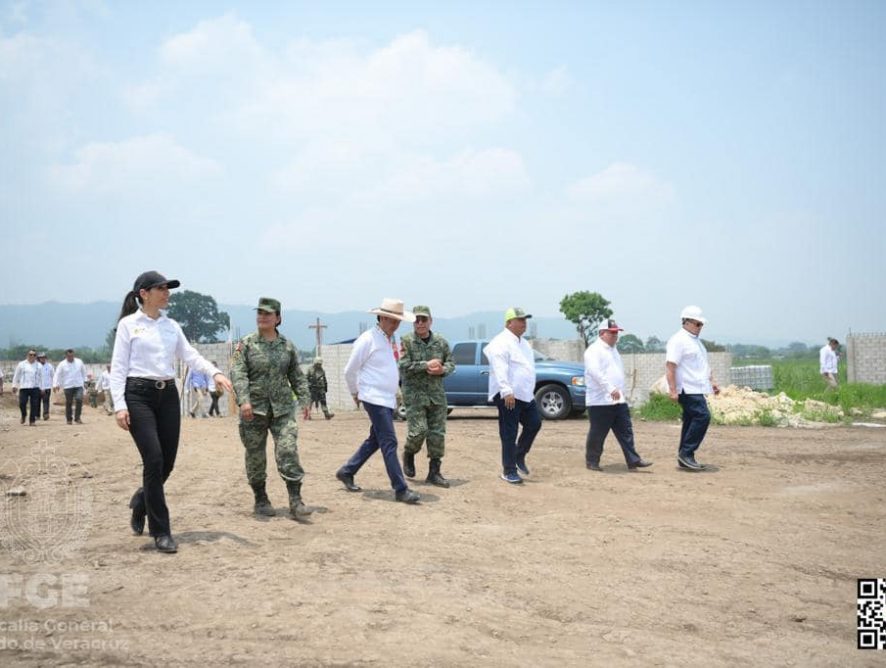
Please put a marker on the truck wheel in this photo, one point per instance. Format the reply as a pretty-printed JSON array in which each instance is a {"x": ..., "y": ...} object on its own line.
[{"x": 554, "y": 402}]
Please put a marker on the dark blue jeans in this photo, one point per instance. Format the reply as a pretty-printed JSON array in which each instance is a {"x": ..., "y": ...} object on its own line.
[
  {"x": 381, "y": 436},
  {"x": 616, "y": 417},
  {"x": 696, "y": 418},
  {"x": 515, "y": 449},
  {"x": 154, "y": 423},
  {"x": 73, "y": 395}
]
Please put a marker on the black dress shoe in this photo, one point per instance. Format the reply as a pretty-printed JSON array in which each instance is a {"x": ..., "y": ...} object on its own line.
[
  {"x": 407, "y": 496},
  {"x": 166, "y": 544},
  {"x": 594, "y": 467},
  {"x": 689, "y": 463},
  {"x": 137, "y": 521},
  {"x": 348, "y": 481},
  {"x": 642, "y": 464}
]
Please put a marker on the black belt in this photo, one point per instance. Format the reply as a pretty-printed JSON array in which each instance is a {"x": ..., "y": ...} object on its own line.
[{"x": 150, "y": 383}]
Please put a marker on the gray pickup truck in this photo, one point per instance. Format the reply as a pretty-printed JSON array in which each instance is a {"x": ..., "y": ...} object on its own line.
[{"x": 559, "y": 388}]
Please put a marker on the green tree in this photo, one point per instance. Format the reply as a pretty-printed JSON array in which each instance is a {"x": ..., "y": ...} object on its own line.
[
  {"x": 587, "y": 310},
  {"x": 655, "y": 345},
  {"x": 198, "y": 316},
  {"x": 629, "y": 343}
]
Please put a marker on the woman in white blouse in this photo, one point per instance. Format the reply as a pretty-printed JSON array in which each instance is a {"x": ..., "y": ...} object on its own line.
[{"x": 146, "y": 401}]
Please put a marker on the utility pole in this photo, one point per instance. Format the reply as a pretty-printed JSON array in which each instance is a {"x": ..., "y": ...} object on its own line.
[{"x": 319, "y": 327}]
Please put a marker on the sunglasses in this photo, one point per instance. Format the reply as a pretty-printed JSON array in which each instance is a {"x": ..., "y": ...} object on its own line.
[
  {"x": 696, "y": 323},
  {"x": 420, "y": 318}
]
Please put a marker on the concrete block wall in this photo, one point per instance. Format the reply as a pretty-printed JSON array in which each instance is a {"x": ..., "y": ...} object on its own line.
[{"x": 866, "y": 358}]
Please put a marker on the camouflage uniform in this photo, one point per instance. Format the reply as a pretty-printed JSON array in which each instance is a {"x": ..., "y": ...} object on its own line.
[
  {"x": 423, "y": 393},
  {"x": 265, "y": 374},
  {"x": 318, "y": 387},
  {"x": 91, "y": 392}
]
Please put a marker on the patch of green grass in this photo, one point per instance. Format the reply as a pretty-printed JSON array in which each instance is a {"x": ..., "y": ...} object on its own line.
[
  {"x": 659, "y": 408},
  {"x": 765, "y": 418}
]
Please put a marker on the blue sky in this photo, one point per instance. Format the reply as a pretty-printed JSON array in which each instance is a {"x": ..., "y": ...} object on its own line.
[{"x": 465, "y": 155}]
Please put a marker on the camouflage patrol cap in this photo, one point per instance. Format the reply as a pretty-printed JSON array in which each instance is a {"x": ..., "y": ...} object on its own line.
[
  {"x": 515, "y": 312},
  {"x": 318, "y": 361},
  {"x": 268, "y": 305},
  {"x": 421, "y": 310}
]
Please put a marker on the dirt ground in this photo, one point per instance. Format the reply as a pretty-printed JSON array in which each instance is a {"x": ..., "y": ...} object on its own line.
[{"x": 753, "y": 562}]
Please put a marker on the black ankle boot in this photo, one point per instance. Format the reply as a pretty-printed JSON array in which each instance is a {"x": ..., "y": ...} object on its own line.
[
  {"x": 262, "y": 502},
  {"x": 409, "y": 464},
  {"x": 434, "y": 475},
  {"x": 297, "y": 508}
]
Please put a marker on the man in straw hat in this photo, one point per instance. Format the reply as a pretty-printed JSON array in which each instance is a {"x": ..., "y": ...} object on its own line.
[
  {"x": 512, "y": 389},
  {"x": 689, "y": 379},
  {"x": 373, "y": 378}
]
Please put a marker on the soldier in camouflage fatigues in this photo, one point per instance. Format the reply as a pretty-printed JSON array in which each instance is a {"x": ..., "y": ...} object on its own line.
[
  {"x": 265, "y": 373},
  {"x": 425, "y": 359},
  {"x": 318, "y": 386}
]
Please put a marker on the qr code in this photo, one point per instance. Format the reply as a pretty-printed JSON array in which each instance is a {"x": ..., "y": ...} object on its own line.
[{"x": 871, "y": 618}]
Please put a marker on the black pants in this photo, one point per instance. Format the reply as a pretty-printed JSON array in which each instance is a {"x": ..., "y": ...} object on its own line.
[
  {"x": 73, "y": 403},
  {"x": 29, "y": 396},
  {"x": 155, "y": 423},
  {"x": 213, "y": 407},
  {"x": 46, "y": 394},
  {"x": 603, "y": 418}
]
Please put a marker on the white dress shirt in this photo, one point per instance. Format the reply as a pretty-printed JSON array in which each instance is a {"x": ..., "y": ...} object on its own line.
[
  {"x": 371, "y": 372},
  {"x": 27, "y": 375},
  {"x": 147, "y": 348},
  {"x": 604, "y": 373},
  {"x": 511, "y": 366},
  {"x": 827, "y": 359},
  {"x": 70, "y": 374},
  {"x": 104, "y": 380},
  {"x": 46, "y": 376},
  {"x": 693, "y": 374}
]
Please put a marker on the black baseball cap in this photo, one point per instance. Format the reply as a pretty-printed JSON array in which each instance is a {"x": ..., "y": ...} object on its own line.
[{"x": 151, "y": 279}]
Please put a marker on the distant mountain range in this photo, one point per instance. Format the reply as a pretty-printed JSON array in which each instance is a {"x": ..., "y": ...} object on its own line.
[{"x": 56, "y": 325}]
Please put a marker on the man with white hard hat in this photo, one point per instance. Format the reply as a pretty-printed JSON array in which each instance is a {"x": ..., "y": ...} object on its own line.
[{"x": 689, "y": 379}]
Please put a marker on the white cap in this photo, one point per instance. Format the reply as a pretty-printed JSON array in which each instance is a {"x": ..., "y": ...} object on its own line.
[{"x": 693, "y": 313}]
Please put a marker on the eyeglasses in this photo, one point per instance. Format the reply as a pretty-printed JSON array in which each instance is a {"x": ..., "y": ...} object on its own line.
[{"x": 696, "y": 323}]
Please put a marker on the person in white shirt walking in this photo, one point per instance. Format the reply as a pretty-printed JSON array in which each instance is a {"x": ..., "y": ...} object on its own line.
[
  {"x": 146, "y": 346},
  {"x": 373, "y": 377},
  {"x": 70, "y": 375},
  {"x": 512, "y": 389},
  {"x": 26, "y": 380},
  {"x": 46, "y": 375},
  {"x": 606, "y": 401},
  {"x": 827, "y": 358},
  {"x": 104, "y": 384},
  {"x": 690, "y": 378}
]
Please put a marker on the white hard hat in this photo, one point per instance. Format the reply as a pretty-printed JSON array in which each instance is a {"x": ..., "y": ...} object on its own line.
[{"x": 693, "y": 313}]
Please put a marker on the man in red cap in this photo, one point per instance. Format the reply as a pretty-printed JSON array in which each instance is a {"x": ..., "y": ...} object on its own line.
[{"x": 606, "y": 402}]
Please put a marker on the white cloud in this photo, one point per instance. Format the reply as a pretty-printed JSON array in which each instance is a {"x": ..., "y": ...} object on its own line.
[
  {"x": 134, "y": 165},
  {"x": 623, "y": 183},
  {"x": 557, "y": 82},
  {"x": 407, "y": 90}
]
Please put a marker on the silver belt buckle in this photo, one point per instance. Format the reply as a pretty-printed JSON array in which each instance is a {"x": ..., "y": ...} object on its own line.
[{"x": 160, "y": 384}]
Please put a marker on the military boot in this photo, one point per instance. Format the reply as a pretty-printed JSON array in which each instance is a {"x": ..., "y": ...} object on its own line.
[
  {"x": 297, "y": 509},
  {"x": 434, "y": 475},
  {"x": 262, "y": 502},
  {"x": 328, "y": 414},
  {"x": 409, "y": 464}
]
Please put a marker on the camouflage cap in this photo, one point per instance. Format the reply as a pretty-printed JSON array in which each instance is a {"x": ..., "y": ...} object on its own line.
[
  {"x": 268, "y": 305},
  {"x": 318, "y": 361},
  {"x": 515, "y": 312},
  {"x": 422, "y": 310}
]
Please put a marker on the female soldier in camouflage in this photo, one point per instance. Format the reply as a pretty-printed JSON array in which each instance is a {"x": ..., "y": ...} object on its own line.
[{"x": 265, "y": 374}]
